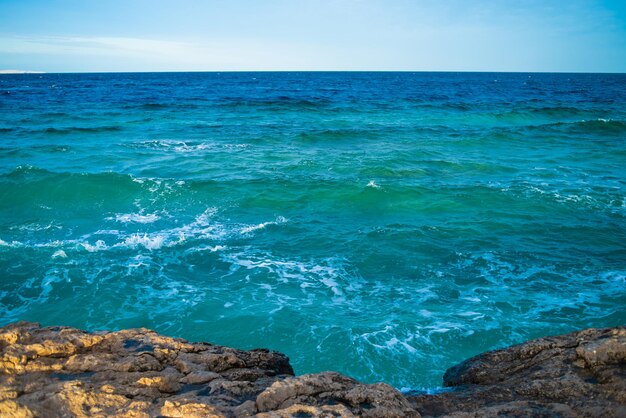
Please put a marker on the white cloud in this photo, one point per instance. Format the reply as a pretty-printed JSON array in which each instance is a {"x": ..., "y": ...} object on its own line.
[
  {"x": 116, "y": 46},
  {"x": 237, "y": 54}
]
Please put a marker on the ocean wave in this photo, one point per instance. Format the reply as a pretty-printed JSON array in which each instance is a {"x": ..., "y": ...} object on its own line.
[
  {"x": 153, "y": 242},
  {"x": 279, "y": 220},
  {"x": 59, "y": 254},
  {"x": 165, "y": 105},
  {"x": 406, "y": 319},
  {"x": 78, "y": 129},
  {"x": 183, "y": 147},
  {"x": 275, "y": 103},
  {"x": 203, "y": 228},
  {"x": 209, "y": 248},
  {"x": 135, "y": 217},
  {"x": 13, "y": 244},
  {"x": 343, "y": 134},
  {"x": 36, "y": 227},
  {"x": 549, "y": 112},
  {"x": 500, "y": 214},
  {"x": 598, "y": 126},
  {"x": 373, "y": 185},
  {"x": 149, "y": 106},
  {"x": 100, "y": 245},
  {"x": 43, "y": 149},
  {"x": 26, "y": 181},
  {"x": 386, "y": 339},
  {"x": 330, "y": 274},
  {"x": 591, "y": 197}
]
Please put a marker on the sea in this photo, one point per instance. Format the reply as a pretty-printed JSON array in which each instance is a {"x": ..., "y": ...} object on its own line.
[{"x": 383, "y": 225}]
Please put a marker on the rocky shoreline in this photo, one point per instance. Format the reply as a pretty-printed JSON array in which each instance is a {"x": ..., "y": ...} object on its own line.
[{"x": 66, "y": 372}]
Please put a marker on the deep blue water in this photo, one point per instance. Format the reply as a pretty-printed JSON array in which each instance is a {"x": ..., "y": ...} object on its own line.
[{"x": 384, "y": 225}]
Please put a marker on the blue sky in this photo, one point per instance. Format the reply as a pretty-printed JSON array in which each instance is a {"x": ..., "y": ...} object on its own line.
[{"x": 412, "y": 35}]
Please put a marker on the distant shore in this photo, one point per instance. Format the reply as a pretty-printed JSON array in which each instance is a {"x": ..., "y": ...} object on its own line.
[{"x": 20, "y": 72}]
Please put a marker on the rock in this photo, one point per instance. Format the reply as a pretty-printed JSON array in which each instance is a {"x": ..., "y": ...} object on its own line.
[
  {"x": 64, "y": 372},
  {"x": 198, "y": 377},
  {"x": 12, "y": 409},
  {"x": 165, "y": 383},
  {"x": 329, "y": 389},
  {"x": 578, "y": 374},
  {"x": 177, "y": 409}
]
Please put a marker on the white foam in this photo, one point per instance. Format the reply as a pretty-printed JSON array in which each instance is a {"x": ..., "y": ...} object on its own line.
[
  {"x": 100, "y": 245},
  {"x": 373, "y": 184},
  {"x": 408, "y": 347},
  {"x": 211, "y": 249},
  {"x": 185, "y": 148},
  {"x": 107, "y": 232},
  {"x": 279, "y": 220},
  {"x": 137, "y": 262},
  {"x": 150, "y": 243},
  {"x": 190, "y": 146},
  {"x": 34, "y": 227},
  {"x": 236, "y": 146},
  {"x": 59, "y": 254},
  {"x": 386, "y": 339},
  {"x": 313, "y": 277},
  {"x": 55, "y": 243},
  {"x": 135, "y": 217},
  {"x": 181, "y": 238},
  {"x": 9, "y": 244},
  {"x": 332, "y": 284},
  {"x": 471, "y": 314},
  {"x": 208, "y": 213},
  {"x": 251, "y": 228},
  {"x": 203, "y": 227}
]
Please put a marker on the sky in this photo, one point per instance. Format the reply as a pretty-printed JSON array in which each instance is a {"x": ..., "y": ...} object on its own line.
[{"x": 288, "y": 35}]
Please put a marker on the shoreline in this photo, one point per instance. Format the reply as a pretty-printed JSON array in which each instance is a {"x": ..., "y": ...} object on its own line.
[{"x": 62, "y": 371}]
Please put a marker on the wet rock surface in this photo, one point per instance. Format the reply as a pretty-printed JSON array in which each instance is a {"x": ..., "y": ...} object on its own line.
[{"x": 65, "y": 372}]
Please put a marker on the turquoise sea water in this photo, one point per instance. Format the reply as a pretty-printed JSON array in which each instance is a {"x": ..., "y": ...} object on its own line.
[{"x": 383, "y": 225}]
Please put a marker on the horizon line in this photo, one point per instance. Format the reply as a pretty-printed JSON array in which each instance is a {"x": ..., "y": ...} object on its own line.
[{"x": 37, "y": 72}]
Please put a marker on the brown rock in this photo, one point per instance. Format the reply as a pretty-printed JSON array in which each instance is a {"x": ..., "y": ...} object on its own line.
[
  {"x": 300, "y": 410},
  {"x": 196, "y": 378},
  {"x": 330, "y": 388},
  {"x": 11, "y": 409},
  {"x": 578, "y": 374},
  {"x": 164, "y": 383},
  {"x": 64, "y": 372},
  {"x": 175, "y": 409}
]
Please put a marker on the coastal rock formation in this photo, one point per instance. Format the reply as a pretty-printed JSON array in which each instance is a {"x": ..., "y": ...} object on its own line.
[
  {"x": 578, "y": 374},
  {"x": 65, "y": 372}
]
